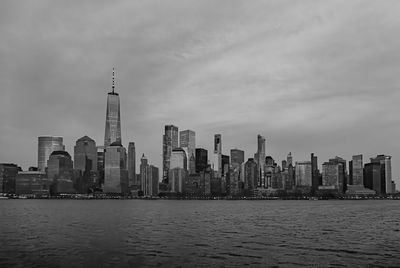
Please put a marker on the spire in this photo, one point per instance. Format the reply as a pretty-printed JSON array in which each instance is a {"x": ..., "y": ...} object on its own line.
[{"x": 113, "y": 80}]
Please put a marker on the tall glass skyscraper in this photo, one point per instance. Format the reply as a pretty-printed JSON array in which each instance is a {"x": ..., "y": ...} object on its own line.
[
  {"x": 47, "y": 145},
  {"x": 170, "y": 142},
  {"x": 113, "y": 117}
]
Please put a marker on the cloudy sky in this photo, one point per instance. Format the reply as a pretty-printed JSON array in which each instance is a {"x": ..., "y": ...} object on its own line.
[{"x": 311, "y": 76}]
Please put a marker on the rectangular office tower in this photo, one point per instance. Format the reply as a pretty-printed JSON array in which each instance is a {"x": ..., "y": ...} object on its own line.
[
  {"x": 115, "y": 173},
  {"x": 201, "y": 159},
  {"x": 187, "y": 141},
  {"x": 170, "y": 142},
  {"x": 47, "y": 145},
  {"x": 132, "y": 164},
  {"x": 237, "y": 157},
  {"x": 113, "y": 117},
  {"x": 217, "y": 155}
]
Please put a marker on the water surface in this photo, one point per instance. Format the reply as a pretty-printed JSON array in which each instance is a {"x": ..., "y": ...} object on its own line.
[{"x": 199, "y": 233}]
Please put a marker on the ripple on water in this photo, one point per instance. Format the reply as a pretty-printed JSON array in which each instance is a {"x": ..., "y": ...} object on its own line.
[{"x": 136, "y": 233}]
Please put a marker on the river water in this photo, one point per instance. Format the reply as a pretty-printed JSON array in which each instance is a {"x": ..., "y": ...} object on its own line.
[{"x": 199, "y": 233}]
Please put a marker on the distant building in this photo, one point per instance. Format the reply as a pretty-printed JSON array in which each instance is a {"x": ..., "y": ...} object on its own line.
[
  {"x": 177, "y": 180},
  {"x": 314, "y": 172},
  {"x": 85, "y": 165},
  {"x": 237, "y": 157},
  {"x": 178, "y": 159},
  {"x": 225, "y": 164},
  {"x": 201, "y": 159},
  {"x": 289, "y": 159},
  {"x": 47, "y": 145},
  {"x": 259, "y": 156},
  {"x": 32, "y": 183},
  {"x": 150, "y": 183},
  {"x": 8, "y": 173},
  {"x": 132, "y": 164},
  {"x": 60, "y": 172},
  {"x": 332, "y": 177},
  {"x": 187, "y": 141},
  {"x": 250, "y": 175},
  {"x": 303, "y": 173},
  {"x": 374, "y": 178},
  {"x": 357, "y": 170},
  {"x": 85, "y": 154},
  {"x": 113, "y": 117},
  {"x": 143, "y": 172},
  {"x": 386, "y": 166},
  {"x": 170, "y": 142},
  {"x": 100, "y": 164},
  {"x": 115, "y": 172},
  {"x": 217, "y": 164}
]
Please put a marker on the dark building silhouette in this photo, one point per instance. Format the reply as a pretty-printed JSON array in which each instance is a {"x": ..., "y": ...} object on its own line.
[
  {"x": 60, "y": 172},
  {"x": 8, "y": 174},
  {"x": 314, "y": 172},
  {"x": 201, "y": 159},
  {"x": 170, "y": 142},
  {"x": 237, "y": 157},
  {"x": 250, "y": 175},
  {"x": 132, "y": 164}
]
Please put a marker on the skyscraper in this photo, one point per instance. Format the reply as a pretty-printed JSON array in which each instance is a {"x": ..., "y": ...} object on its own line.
[
  {"x": 113, "y": 117},
  {"x": 187, "y": 141},
  {"x": 170, "y": 142},
  {"x": 178, "y": 159},
  {"x": 60, "y": 171},
  {"x": 357, "y": 170},
  {"x": 303, "y": 174},
  {"x": 132, "y": 164},
  {"x": 115, "y": 173},
  {"x": 201, "y": 159},
  {"x": 237, "y": 157},
  {"x": 47, "y": 145},
  {"x": 386, "y": 172},
  {"x": 85, "y": 154},
  {"x": 218, "y": 155},
  {"x": 260, "y": 156},
  {"x": 314, "y": 172}
]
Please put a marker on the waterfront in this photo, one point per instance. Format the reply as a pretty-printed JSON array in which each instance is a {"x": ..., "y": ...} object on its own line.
[{"x": 173, "y": 233}]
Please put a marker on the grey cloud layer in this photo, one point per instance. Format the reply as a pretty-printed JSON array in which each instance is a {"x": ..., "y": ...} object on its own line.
[{"x": 309, "y": 75}]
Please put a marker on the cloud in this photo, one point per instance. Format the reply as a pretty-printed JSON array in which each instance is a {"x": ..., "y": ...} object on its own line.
[{"x": 310, "y": 75}]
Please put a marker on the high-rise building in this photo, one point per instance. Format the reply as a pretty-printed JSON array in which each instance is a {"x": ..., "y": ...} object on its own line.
[
  {"x": 8, "y": 174},
  {"x": 260, "y": 156},
  {"x": 60, "y": 172},
  {"x": 386, "y": 173},
  {"x": 47, "y": 145},
  {"x": 177, "y": 179},
  {"x": 217, "y": 165},
  {"x": 303, "y": 173},
  {"x": 150, "y": 182},
  {"x": 373, "y": 178},
  {"x": 143, "y": 171},
  {"x": 113, "y": 117},
  {"x": 115, "y": 172},
  {"x": 187, "y": 141},
  {"x": 85, "y": 154},
  {"x": 357, "y": 170},
  {"x": 289, "y": 159},
  {"x": 85, "y": 165},
  {"x": 332, "y": 176},
  {"x": 237, "y": 157},
  {"x": 225, "y": 164},
  {"x": 250, "y": 175},
  {"x": 170, "y": 142},
  {"x": 100, "y": 164},
  {"x": 314, "y": 172},
  {"x": 132, "y": 164},
  {"x": 178, "y": 159},
  {"x": 201, "y": 159}
]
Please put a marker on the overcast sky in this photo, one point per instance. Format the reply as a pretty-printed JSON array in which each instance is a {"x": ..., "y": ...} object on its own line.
[{"x": 310, "y": 76}]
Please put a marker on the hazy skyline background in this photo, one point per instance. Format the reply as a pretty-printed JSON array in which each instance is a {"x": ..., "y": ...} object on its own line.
[{"x": 310, "y": 76}]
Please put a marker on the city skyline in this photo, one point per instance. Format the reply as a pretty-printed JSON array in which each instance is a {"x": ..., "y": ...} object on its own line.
[{"x": 330, "y": 99}]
